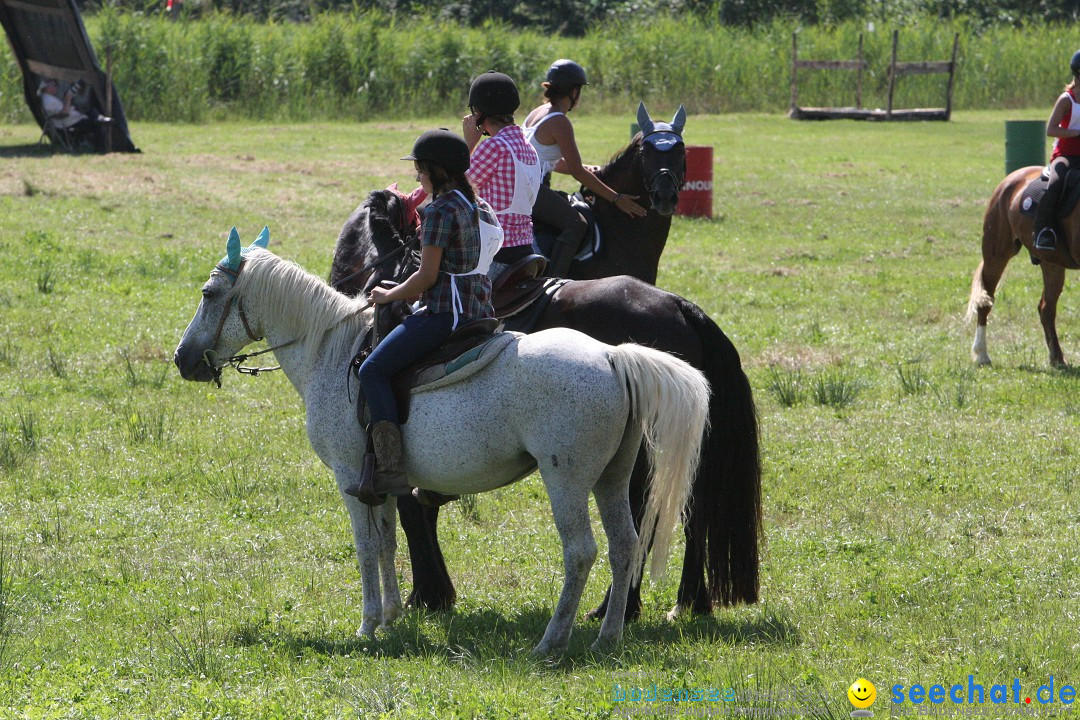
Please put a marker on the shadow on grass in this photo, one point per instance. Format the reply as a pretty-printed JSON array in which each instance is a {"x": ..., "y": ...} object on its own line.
[
  {"x": 34, "y": 150},
  {"x": 481, "y": 635},
  {"x": 1069, "y": 371}
]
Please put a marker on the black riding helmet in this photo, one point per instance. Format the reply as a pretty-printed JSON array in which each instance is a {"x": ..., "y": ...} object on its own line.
[
  {"x": 493, "y": 93},
  {"x": 1074, "y": 64},
  {"x": 566, "y": 74},
  {"x": 443, "y": 148}
]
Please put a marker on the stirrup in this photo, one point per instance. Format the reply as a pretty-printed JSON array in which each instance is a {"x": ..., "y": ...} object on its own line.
[
  {"x": 430, "y": 498},
  {"x": 1046, "y": 239},
  {"x": 364, "y": 491}
]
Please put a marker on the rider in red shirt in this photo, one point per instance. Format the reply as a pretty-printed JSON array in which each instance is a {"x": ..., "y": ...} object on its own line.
[{"x": 1064, "y": 124}]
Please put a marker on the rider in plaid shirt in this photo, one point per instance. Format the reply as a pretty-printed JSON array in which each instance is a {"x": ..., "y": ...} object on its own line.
[{"x": 505, "y": 169}]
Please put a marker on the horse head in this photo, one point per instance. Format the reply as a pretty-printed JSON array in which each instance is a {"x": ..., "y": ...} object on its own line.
[
  {"x": 370, "y": 246},
  {"x": 663, "y": 158},
  {"x": 215, "y": 332}
]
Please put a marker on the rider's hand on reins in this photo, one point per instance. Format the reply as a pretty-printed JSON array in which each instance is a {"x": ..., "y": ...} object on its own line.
[{"x": 378, "y": 295}]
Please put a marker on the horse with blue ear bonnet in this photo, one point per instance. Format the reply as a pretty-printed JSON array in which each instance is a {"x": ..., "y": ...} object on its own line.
[{"x": 522, "y": 411}]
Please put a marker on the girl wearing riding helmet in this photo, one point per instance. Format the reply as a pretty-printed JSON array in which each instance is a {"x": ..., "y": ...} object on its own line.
[
  {"x": 1064, "y": 124},
  {"x": 550, "y": 132},
  {"x": 458, "y": 236},
  {"x": 504, "y": 169}
]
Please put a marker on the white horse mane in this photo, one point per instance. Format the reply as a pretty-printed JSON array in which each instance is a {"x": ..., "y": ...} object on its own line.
[{"x": 301, "y": 303}]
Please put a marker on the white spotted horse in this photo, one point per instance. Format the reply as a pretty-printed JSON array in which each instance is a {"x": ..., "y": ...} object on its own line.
[{"x": 524, "y": 409}]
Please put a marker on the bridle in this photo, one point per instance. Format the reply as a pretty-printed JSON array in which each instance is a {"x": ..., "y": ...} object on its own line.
[
  {"x": 664, "y": 172},
  {"x": 236, "y": 361},
  {"x": 209, "y": 356}
]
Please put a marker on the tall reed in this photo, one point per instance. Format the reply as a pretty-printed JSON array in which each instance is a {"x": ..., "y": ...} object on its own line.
[{"x": 367, "y": 64}]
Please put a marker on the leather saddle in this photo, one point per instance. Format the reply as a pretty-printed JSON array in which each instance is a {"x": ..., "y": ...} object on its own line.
[
  {"x": 522, "y": 293},
  {"x": 464, "y": 346},
  {"x": 592, "y": 243}
]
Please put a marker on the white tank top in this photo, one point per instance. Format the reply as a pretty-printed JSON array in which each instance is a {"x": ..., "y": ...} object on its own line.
[{"x": 548, "y": 154}]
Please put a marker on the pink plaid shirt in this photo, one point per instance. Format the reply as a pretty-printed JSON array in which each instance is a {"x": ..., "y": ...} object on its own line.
[{"x": 491, "y": 171}]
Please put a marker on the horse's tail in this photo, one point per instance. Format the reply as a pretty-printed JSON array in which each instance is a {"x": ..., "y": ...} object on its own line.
[
  {"x": 725, "y": 511},
  {"x": 670, "y": 399}
]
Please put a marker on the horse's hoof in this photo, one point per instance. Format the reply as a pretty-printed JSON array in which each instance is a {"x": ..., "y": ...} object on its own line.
[
  {"x": 605, "y": 645},
  {"x": 367, "y": 629},
  {"x": 675, "y": 612},
  {"x": 543, "y": 651},
  {"x": 431, "y": 600},
  {"x": 390, "y": 614},
  {"x": 596, "y": 613}
]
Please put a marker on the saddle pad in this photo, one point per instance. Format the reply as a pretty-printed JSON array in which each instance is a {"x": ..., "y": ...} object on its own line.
[
  {"x": 1033, "y": 193},
  {"x": 463, "y": 366}
]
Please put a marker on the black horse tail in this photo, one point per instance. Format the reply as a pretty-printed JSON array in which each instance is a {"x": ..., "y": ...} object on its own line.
[{"x": 725, "y": 509}]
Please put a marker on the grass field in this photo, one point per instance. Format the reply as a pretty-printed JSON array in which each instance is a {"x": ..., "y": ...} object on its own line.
[{"x": 170, "y": 550}]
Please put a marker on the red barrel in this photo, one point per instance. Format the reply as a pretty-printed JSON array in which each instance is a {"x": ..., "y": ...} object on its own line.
[{"x": 695, "y": 198}]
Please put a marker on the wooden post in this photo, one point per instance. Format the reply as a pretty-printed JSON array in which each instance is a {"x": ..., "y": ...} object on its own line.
[
  {"x": 108, "y": 98},
  {"x": 952, "y": 74},
  {"x": 794, "y": 64},
  {"x": 858, "y": 86},
  {"x": 892, "y": 75}
]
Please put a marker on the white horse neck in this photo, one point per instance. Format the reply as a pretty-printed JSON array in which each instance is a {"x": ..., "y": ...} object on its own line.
[{"x": 314, "y": 324}]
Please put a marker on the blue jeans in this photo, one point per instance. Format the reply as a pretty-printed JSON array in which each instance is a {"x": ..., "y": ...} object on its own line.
[{"x": 415, "y": 337}]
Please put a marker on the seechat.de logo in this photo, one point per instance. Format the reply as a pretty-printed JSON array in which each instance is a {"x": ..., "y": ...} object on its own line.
[{"x": 862, "y": 694}]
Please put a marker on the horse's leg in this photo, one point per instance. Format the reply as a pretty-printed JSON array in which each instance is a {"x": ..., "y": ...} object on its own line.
[
  {"x": 693, "y": 592},
  {"x": 638, "y": 479},
  {"x": 432, "y": 586},
  {"x": 366, "y": 538},
  {"x": 570, "y": 507},
  {"x": 391, "y": 594},
  {"x": 999, "y": 245},
  {"x": 612, "y": 500},
  {"x": 1053, "y": 283},
  {"x": 983, "y": 284}
]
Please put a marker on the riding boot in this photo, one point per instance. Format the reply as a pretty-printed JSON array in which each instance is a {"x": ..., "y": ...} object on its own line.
[
  {"x": 388, "y": 476},
  {"x": 562, "y": 255}
]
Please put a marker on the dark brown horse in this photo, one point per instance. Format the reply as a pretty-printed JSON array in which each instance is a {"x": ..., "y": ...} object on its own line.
[
  {"x": 1005, "y": 231},
  {"x": 722, "y": 521},
  {"x": 653, "y": 168}
]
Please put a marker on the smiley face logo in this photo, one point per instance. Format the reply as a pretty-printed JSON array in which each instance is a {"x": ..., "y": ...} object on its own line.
[{"x": 862, "y": 693}]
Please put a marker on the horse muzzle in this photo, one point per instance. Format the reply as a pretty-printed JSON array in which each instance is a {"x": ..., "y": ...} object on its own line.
[
  {"x": 198, "y": 368},
  {"x": 664, "y": 202}
]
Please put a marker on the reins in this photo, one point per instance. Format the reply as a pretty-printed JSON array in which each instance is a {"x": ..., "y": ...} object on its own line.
[
  {"x": 235, "y": 362},
  {"x": 389, "y": 256},
  {"x": 375, "y": 263}
]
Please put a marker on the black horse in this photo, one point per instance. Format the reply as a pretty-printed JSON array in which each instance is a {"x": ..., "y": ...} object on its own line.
[
  {"x": 652, "y": 167},
  {"x": 723, "y": 519}
]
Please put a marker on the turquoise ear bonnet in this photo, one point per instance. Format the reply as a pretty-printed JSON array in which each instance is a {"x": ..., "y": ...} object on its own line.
[
  {"x": 661, "y": 135},
  {"x": 235, "y": 253}
]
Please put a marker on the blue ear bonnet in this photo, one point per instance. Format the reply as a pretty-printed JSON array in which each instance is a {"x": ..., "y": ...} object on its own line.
[
  {"x": 230, "y": 264},
  {"x": 661, "y": 135}
]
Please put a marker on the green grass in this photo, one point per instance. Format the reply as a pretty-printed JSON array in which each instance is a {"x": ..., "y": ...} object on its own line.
[{"x": 170, "y": 550}]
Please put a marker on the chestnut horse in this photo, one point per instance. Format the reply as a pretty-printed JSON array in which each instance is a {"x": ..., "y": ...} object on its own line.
[
  {"x": 1005, "y": 231},
  {"x": 723, "y": 519}
]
